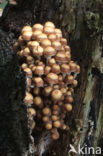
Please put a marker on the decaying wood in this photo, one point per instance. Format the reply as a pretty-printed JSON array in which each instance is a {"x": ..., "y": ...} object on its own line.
[{"x": 81, "y": 23}]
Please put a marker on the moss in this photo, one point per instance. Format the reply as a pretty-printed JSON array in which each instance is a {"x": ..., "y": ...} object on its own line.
[{"x": 92, "y": 20}]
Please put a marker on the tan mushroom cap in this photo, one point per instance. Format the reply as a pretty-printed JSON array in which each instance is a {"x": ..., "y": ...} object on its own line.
[
  {"x": 41, "y": 37},
  {"x": 30, "y": 59},
  {"x": 37, "y": 51},
  {"x": 32, "y": 112},
  {"x": 46, "y": 111},
  {"x": 28, "y": 100},
  {"x": 68, "y": 107},
  {"x": 47, "y": 90},
  {"x": 47, "y": 70},
  {"x": 63, "y": 41},
  {"x": 45, "y": 43},
  {"x": 48, "y": 125},
  {"x": 49, "y": 24},
  {"x": 51, "y": 61},
  {"x": 39, "y": 70},
  {"x": 56, "y": 94},
  {"x": 26, "y": 35},
  {"x": 61, "y": 58},
  {"x": 37, "y": 26},
  {"x": 26, "y": 51},
  {"x": 56, "y": 45},
  {"x": 37, "y": 101},
  {"x": 26, "y": 29},
  {"x": 28, "y": 72},
  {"x": 36, "y": 33},
  {"x": 48, "y": 30},
  {"x": 49, "y": 51},
  {"x": 52, "y": 78},
  {"x": 55, "y": 68},
  {"x": 38, "y": 81},
  {"x": 57, "y": 124},
  {"x": 52, "y": 37},
  {"x": 65, "y": 68}
]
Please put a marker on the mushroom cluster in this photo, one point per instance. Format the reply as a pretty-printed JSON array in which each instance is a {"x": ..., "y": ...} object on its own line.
[{"x": 50, "y": 75}]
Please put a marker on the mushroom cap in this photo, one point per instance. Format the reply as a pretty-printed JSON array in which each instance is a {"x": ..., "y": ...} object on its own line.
[
  {"x": 28, "y": 72},
  {"x": 52, "y": 37},
  {"x": 68, "y": 107},
  {"x": 26, "y": 51},
  {"x": 46, "y": 111},
  {"x": 51, "y": 61},
  {"x": 65, "y": 68},
  {"x": 24, "y": 65},
  {"x": 48, "y": 30},
  {"x": 49, "y": 24},
  {"x": 26, "y": 35},
  {"x": 48, "y": 125},
  {"x": 61, "y": 58},
  {"x": 37, "y": 26},
  {"x": 52, "y": 78},
  {"x": 45, "y": 43},
  {"x": 33, "y": 44},
  {"x": 30, "y": 59},
  {"x": 26, "y": 29},
  {"x": 56, "y": 94},
  {"x": 37, "y": 101},
  {"x": 47, "y": 70},
  {"x": 36, "y": 33},
  {"x": 55, "y": 68},
  {"x": 56, "y": 45},
  {"x": 36, "y": 91},
  {"x": 32, "y": 112},
  {"x": 41, "y": 37},
  {"x": 69, "y": 79},
  {"x": 47, "y": 90},
  {"x": 37, "y": 51},
  {"x": 39, "y": 70},
  {"x": 63, "y": 41},
  {"x": 55, "y": 136},
  {"x": 49, "y": 51},
  {"x": 38, "y": 81},
  {"x": 28, "y": 100},
  {"x": 57, "y": 124}
]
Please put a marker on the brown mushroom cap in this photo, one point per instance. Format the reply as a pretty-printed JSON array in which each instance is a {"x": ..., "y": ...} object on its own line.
[
  {"x": 47, "y": 70},
  {"x": 68, "y": 107},
  {"x": 69, "y": 79},
  {"x": 75, "y": 83},
  {"x": 30, "y": 60},
  {"x": 49, "y": 51},
  {"x": 45, "y": 118},
  {"x": 52, "y": 37},
  {"x": 48, "y": 125},
  {"x": 24, "y": 65},
  {"x": 26, "y": 51},
  {"x": 32, "y": 112},
  {"x": 28, "y": 100},
  {"x": 37, "y": 26},
  {"x": 47, "y": 90},
  {"x": 26, "y": 29},
  {"x": 52, "y": 78},
  {"x": 37, "y": 51},
  {"x": 55, "y": 136},
  {"x": 56, "y": 94},
  {"x": 35, "y": 34},
  {"x": 51, "y": 61},
  {"x": 41, "y": 37},
  {"x": 27, "y": 35},
  {"x": 28, "y": 72},
  {"x": 63, "y": 41},
  {"x": 65, "y": 68},
  {"x": 38, "y": 81},
  {"x": 39, "y": 70},
  {"x": 46, "y": 43},
  {"x": 57, "y": 124},
  {"x": 49, "y": 24},
  {"x": 46, "y": 111},
  {"x": 61, "y": 58},
  {"x": 55, "y": 68},
  {"x": 56, "y": 45},
  {"x": 48, "y": 30},
  {"x": 37, "y": 101},
  {"x": 36, "y": 91}
]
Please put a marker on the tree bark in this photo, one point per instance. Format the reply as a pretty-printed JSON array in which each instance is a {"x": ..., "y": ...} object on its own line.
[{"x": 82, "y": 25}]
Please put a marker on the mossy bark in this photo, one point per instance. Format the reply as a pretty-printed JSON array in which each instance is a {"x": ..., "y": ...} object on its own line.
[{"x": 81, "y": 23}]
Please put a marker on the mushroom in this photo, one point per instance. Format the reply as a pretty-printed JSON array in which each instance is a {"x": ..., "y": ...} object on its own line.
[
  {"x": 48, "y": 125},
  {"x": 28, "y": 100},
  {"x": 61, "y": 58},
  {"x": 47, "y": 70},
  {"x": 52, "y": 78},
  {"x": 26, "y": 35},
  {"x": 63, "y": 41},
  {"x": 28, "y": 72},
  {"x": 51, "y": 61},
  {"x": 45, "y": 43},
  {"x": 49, "y": 51},
  {"x": 39, "y": 70},
  {"x": 37, "y": 51},
  {"x": 56, "y": 45},
  {"x": 52, "y": 37},
  {"x": 56, "y": 94},
  {"x": 24, "y": 65},
  {"x": 49, "y": 24},
  {"x": 55, "y": 68},
  {"x": 30, "y": 60},
  {"x": 31, "y": 112},
  {"x": 37, "y": 26},
  {"x": 26, "y": 29},
  {"x": 68, "y": 107},
  {"x": 47, "y": 90},
  {"x": 26, "y": 51},
  {"x": 38, "y": 82},
  {"x": 48, "y": 30},
  {"x": 46, "y": 111},
  {"x": 36, "y": 91},
  {"x": 57, "y": 124},
  {"x": 41, "y": 37},
  {"x": 35, "y": 34},
  {"x": 37, "y": 101}
]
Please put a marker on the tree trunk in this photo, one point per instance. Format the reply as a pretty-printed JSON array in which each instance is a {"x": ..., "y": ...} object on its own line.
[{"x": 81, "y": 23}]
